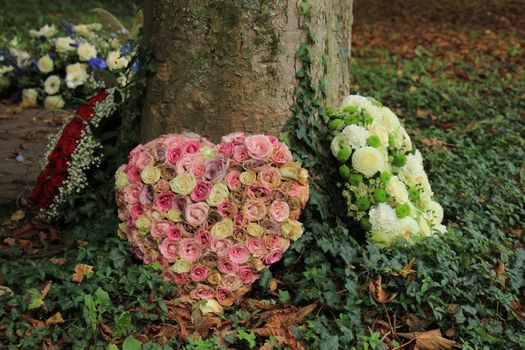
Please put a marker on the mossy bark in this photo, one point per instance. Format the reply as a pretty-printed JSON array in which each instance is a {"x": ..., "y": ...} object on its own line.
[{"x": 227, "y": 65}]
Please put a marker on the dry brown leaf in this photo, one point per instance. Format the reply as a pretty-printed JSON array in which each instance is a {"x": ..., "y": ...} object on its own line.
[
  {"x": 430, "y": 340},
  {"x": 378, "y": 293},
  {"x": 46, "y": 289},
  {"x": 421, "y": 112},
  {"x": 435, "y": 142},
  {"x": 269, "y": 332},
  {"x": 500, "y": 273},
  {"x": 412, "y": 89},
  {"x": 55, "y": 319},
  {"x": 24, "y": 244},
  {"x": 10, "y": 241},
  {"x": 519, "y": 310},
  {"x": 80, "y": 271},
  {"x": 33, "y": 322},
  {"x": 58, "y": 261}
]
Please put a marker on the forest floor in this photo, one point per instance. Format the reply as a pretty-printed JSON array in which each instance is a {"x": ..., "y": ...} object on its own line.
[{"x": 452, "y": 70}]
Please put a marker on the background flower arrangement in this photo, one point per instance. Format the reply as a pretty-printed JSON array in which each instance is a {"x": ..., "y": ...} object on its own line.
[
  {"x": 386, "y": 187},
  {"x": 211, "y": 217},
  {"x": 59, "y": 64},
  {"x": 75, "y": 150}
]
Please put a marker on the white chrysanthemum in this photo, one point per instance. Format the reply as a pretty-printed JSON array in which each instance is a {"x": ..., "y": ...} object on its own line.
[
  {"x": 381, "y": 132},
  {"x": 64, "y": 44},
  {"x": 116, "y": 61},
  {"x": 339, "y": 141},
  {"x": 422, "y": 183},
  {"x": 356, "y": 101},
  {"x": 52, "y": 85},
  {"x": 413, "y": 169},
  {"x": 375, "y": 112},
  {"x": 407, "y": 226},
  {"x": 356, "y": 135},
  {"x": 76, "y": 75},
  {"x": 368, "y": 161},
  {"x": 46, "y": 31},
  {"x": 29, "y": 97},
  {"x": 45, "y": 64},
  {"x": 439, "y": 229},
  {"x": 383, "y": 218},
  {"x": 390, "y": 120},
  {"x": 86, "y": 51},
  {"x": 53, "y": 102},
  {"x": 434, "y": 213},
  {"x": 397, "y": 190}
]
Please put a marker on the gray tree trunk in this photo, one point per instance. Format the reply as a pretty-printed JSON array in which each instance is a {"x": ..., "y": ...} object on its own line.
[{"x": 230, "y": 65}]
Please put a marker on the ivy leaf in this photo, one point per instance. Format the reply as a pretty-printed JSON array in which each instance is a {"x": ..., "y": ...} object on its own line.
[{"x": 131, "y": 344}]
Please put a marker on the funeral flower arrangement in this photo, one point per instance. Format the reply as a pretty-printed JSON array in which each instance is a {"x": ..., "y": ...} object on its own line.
[
  {"x": 385, "y": 185},
  {"x": 71, "y": 153},
  {"x": 57, "y": 66},
  {"x": 211, "y": 217}
]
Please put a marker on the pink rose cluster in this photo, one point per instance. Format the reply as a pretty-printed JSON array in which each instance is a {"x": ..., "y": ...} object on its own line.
[{"x": 213, "y": 216}]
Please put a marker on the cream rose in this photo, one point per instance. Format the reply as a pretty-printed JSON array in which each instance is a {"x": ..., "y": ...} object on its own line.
[
  {"x": 76, "y": 75},
  {"x": 116, "y": 61},
  {"x": 29, "y": 97},
  {"x": 255, "y": 230},
  {"x": 150, "y": 174},
  {"x": 397, "y": 190},
  {"x": 222, "y": 229},
  {"x": 64, "y": 44},
  {"x": 45, "y": 64},
  {"x": 248, "y": 177},
  {"x": 54, "y": 102},
  {"x": 86, "y": 51},
  {"x": 52, "y": 85},
  {"x": 183, "y": 183},
  {"x": 218, "y": 194}
]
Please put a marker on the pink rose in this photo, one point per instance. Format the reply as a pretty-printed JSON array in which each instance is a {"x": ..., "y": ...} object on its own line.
[
  {"x": 271, "y": 226},
  {"x": 258, "y": 146},
  {"x": 237, "y": 137},
  {"x": 132, "y": 193},
  {"x": 189, "y": 249},
  {"x": 274, "y": 140},
  {"x": 226, "y": 209},
  {"x": 172, "y": 141},
  {"x": 256, "y": 246},
  {"x": 279, "y": 211},
  {"x": 182, "y": 278},
  {"x": 162, "y": 186},
  {"x": 254, "y": 210},
  {"x": 133, "y": 174},
  {"x": 202, "y": 292},
  {"x": 136, "y": 210},
  {"x": 159, "y": 152},
  {"x": 220, "y": 246},
  {"x": 201, "y": 191},
  {"x": 224, "y": 296},
  {"x": 159, "y": 229},
  {"x": 197, "y": 213},
  {"x": 258, "y": 191},
  {"x": 174, "y": 155},
  {"x": 238, "y": 254},
  {"x": 164, "y": 200},
  {"x": 239, "y": 235},
  {"x": 231, "y": 282},
  {"x": 144, "y": 159},
  {"x": 199, "y": 273},
  {"x": 216, "y": 168},
  {"x": 191, "y": 146},
  {"x": 233, "y": 180},
  {"x": 210, "y": 259},
  {"x": 240, "y": 154},
  {"x": 191, "y": 163},
  {"x": 278, "y": 157},
  {"x": 271, "y": 241},
  {"x": 203, "y": 237},
  {"x": 226, "y": 148},
  {"x": 227, "y": 266},
  {"x": 168, "y": 248},
  {"x": 270, "y": 177},
  {"x": 174, "y": 232},
  {"x": 146, "y": 196},
  {"x": 273, "y": 256},
  {"x": 246, "y": 274},
  {"x": 168, "y": 275},
  {"x": 240, "y": 220}
]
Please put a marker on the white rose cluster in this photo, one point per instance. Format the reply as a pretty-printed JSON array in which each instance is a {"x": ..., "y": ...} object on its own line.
[
  {"x": 386, "y": 186},
  {"x": 60, "y": 65}
]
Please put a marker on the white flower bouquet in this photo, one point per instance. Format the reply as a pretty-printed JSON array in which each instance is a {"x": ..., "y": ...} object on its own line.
[
  {"x": 385, "y": 185},
  {"x": 57, "y": 66}
]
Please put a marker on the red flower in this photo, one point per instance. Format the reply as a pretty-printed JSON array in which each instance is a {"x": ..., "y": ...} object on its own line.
[
  {"x": 65, "y": 147},
  {"x": 101, "y": 96},
  {"x": 74, "y": 128},
  {"x": 85, "y": 111}
]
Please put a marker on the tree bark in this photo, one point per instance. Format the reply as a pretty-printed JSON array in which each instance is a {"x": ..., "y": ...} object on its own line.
[{"x": 230, "y": 65}]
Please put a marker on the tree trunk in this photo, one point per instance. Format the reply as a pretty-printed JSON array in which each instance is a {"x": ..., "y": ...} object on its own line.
[{"x": 230, "y": 65}]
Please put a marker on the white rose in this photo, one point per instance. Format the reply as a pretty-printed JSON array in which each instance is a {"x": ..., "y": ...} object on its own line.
[
  {"x": 116, "y": 61},
  {"x": 53, "y": 102},
  {"x": 64, "y": 44},
  {"x": 368, "y": 161},
  {"x": 356, "y": 135},
  {"x": 76, "y": 75},
  {"x": 375, "y": 112},
  {"x": 407, "y": 226},
  {"x": 383, "y": 218},
  {"x": 339, "y": 141},
  {"x": 45, "y": 64},
  {"x": 412, "y": 169},
  {"x": 356, "y": 100},
  {"x": 381, "y": 132},
  {"x": 86, "y": 51},
  {"x": 407, "y": 142},
  {"x": 434, "y": 213},
  {"x": 46, "y": 31},
  {"x": 390, "y": 120},
  {"x": 52, "y": 84},
  {"x": 29, "y": 97},
  {"x": 397, "y": 190}
]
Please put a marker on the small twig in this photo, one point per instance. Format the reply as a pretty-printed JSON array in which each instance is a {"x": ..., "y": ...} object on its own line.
[{"x": 403, "y": 345}]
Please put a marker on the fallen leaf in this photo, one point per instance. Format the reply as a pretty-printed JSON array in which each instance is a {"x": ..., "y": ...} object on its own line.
[
  {"x": 378, "y": 293},
  {"x": 80, "y": 271},
  {"x": 412, "y": 89},
  {"x": 58, "y": 261},
  {"x": 55, "y": 319},
  {"x": 33, "y": 322},
  {"x": 272, "y": 284},
  {"x": 436, "y": 142},
  {"x": 407, "y": 270},
  {"x": 422, "y": 112},
  {"x": 500, "y": 273},
  {"x": 18, "y": 215},
  {"x": 46, "y": 289},
  {"x": 430, "y": 340},
  {"x": 10, "y": 241}
]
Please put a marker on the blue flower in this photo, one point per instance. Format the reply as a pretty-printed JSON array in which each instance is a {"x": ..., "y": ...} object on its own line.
[
  {"x": 97, "y": 63},
  {"x": 135, "y": 66},
  {"x": 126, "y": 48}
]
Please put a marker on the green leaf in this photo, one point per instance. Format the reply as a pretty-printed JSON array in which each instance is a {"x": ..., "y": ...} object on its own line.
[
  {"x": 131, "y": 343},
  {"x": 123, "y": 324},
  {"x": 35, "y": 299},
  {"x": 90, "y": 312}
]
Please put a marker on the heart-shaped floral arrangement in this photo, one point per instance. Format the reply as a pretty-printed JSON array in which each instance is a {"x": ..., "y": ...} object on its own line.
[{"x": 211, "y": 217}]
